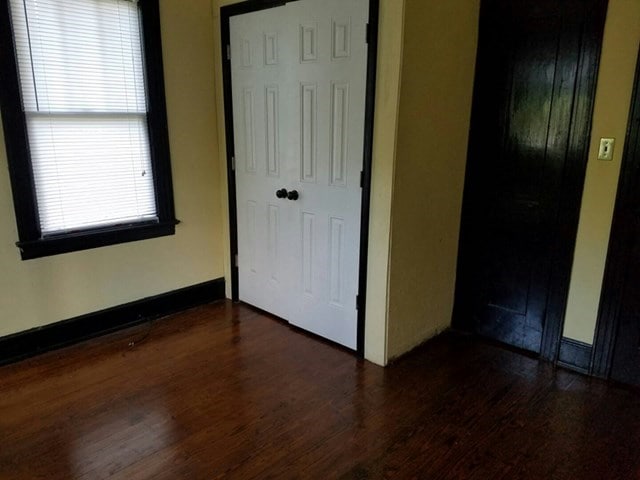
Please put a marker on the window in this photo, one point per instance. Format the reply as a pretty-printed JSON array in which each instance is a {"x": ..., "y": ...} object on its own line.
[{"x": 85, "y": 123}]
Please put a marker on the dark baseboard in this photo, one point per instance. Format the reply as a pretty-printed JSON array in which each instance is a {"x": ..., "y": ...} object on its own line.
[
  {"x": 67, "y": 332},
  {"x": 575, "y": 355}
]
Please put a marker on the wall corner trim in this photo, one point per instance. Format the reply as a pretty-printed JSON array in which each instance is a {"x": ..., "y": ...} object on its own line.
[{"x": 39, "y": 340}]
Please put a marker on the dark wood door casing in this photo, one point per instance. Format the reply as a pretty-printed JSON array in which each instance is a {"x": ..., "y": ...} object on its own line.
[{"x": 531, "y": 122}]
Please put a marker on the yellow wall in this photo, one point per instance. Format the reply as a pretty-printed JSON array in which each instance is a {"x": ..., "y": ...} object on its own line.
[
  {"x": 440, "y": 43},
  {"x": 613, "y": 99},
  {"x": 37, "y": 292},
  {"x": 425, "y": 77},
  {"x": 390, "y": 57}
]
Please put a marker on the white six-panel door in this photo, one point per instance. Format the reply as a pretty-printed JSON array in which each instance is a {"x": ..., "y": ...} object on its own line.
[{"x": 299, "y": 88}]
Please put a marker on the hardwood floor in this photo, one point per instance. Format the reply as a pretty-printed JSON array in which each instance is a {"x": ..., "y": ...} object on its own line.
[{"x": 223, "y": 391}]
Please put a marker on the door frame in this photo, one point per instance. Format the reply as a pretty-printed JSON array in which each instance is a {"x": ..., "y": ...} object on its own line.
[
  {"x": 615, "y": 271},
  {"x": 249, "y": 6},
  {"x": 572, "y": 188}
]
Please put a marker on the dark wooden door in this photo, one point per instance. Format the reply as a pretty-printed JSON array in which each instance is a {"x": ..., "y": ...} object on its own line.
[
  {"x": 535, "y": 82},
  {"x": 618, "y": 337}
]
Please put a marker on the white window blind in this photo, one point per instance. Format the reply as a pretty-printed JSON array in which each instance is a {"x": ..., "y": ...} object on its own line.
[{"x": 81, "y": 73}]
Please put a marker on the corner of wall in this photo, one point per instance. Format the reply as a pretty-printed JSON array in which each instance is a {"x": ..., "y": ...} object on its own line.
[
  {"x": 440, "y": 45},
  {"x": 391, "y": 42}
]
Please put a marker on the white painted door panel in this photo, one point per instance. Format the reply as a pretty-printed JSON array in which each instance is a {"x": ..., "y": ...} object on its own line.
[{"x": 299, "y": 86}]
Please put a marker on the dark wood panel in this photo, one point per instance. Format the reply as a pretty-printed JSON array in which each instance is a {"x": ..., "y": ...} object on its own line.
[
  {"x": 617, "y": 345},
  {"x": 223, "y": 391},
  {"x": 535, "y": 81},
  {"x": 575, "y": 355}
]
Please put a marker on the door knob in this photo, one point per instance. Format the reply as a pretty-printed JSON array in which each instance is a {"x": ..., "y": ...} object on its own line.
[
  {"x": 293, "y": 195},
  {"x": 282, "y": 193}
]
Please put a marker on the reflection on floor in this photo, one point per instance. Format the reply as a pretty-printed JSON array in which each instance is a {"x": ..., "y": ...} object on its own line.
[{"x": 222, "y": 391}]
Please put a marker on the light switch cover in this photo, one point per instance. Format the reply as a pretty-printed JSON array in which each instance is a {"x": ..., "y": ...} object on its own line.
[{"x": 606, "y": 149}]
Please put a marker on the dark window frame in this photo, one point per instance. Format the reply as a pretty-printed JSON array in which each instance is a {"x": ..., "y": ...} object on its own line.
[{"x": 32, "y": 243}]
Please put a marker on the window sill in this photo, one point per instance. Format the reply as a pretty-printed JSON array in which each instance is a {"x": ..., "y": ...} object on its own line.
[{"x": 88, "y": 239}]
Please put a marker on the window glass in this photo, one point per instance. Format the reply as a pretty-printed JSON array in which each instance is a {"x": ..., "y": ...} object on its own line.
[{"x": 81, "y": 73}]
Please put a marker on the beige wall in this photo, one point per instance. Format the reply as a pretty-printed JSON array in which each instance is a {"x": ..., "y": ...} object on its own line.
[
  {"x": 425, "y": 77},
  {"x": 440, "y": 43},
  {"x": 37, "y": 292},
  {"x": 390, "y": 57},
  {"x": 613, "y": 98},
  {"x": 437, "y": 77}
]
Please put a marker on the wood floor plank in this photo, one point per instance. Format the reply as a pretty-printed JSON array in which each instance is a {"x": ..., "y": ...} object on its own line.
[{"x": 223, "y": 391}]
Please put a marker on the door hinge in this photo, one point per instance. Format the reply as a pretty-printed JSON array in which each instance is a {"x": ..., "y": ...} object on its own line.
[
  {"x": 229, "y": 52},
  {"x": 233, "y": 163},
  {"x": 368, "y": 35},
  {"x": 361, "y": 179},
  {"x": 358, "y": 306},
  {"x": 235, "y": 260}
]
